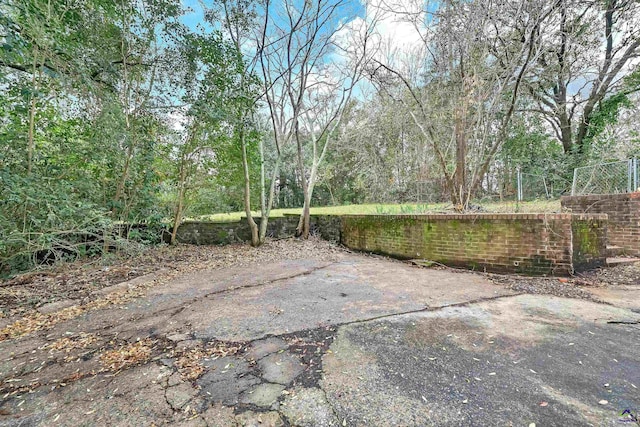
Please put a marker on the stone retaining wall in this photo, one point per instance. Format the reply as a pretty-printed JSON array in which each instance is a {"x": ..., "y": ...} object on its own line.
[{"x": 223, "y": 233}]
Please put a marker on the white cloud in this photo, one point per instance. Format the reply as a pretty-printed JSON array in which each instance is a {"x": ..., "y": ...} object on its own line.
[
  {"x": 399, "y": 23},
  {"x": 395, "y": 27}
]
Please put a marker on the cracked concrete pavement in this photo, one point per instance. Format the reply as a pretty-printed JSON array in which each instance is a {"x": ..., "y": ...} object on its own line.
[{"x": 357, "y": 341}]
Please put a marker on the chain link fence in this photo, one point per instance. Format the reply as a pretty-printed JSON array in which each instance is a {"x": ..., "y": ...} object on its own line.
[
  {"x": 532, "y": 187},
  {"x": 606, "y": 178},
  {"x": 430, "y": 191}
]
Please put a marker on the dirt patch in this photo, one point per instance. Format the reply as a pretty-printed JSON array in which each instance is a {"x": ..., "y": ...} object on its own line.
[
  {"x": 189, "y": 361},
  {"x": 310, "y": 346}
]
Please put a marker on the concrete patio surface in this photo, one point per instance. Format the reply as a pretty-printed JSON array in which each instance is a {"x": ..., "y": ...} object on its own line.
[{"x": 359, "y": 341}]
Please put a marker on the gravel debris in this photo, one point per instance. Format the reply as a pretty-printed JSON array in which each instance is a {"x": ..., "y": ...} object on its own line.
[
  {"x": 620, "y": 275},
  {"x": 560, "y": 287}
]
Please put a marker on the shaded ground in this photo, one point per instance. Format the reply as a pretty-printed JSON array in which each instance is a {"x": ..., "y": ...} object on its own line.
[{"x": 303, "y": 333}]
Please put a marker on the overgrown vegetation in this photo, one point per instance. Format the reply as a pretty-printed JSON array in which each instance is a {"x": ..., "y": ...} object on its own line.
[{"x": 120, "y": 119}]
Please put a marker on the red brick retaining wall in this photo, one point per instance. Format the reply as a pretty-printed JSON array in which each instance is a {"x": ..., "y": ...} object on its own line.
[
  {"x": 536, "y": 244},
  {"x": 623, "y": 210}
]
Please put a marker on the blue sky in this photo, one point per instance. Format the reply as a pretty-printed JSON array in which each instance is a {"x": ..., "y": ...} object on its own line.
[{"x": 196, "y": 17}]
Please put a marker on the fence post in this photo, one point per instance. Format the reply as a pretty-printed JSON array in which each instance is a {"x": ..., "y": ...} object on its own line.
[
  {"x": 575, "y": 178},
  {"x": 636, "y": 185},
  {"x": 546, "y": 190},
  {"x": 519, "y": 185}
]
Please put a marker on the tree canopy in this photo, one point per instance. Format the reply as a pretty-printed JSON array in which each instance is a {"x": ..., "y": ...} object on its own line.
[{"x": 130, "y": 112}]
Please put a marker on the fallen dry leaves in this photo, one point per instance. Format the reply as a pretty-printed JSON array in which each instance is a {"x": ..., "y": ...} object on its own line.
[
  {"x": 560, "y": 287},
  {"x": 176, "y": 260},
  {"x": 127, "y": 355},
  {"x": 189, "y": 361},
  {"x": 67, "y": 344},
  {"x": 79, "y": 279},
  {"x": 36, "y": 321}
]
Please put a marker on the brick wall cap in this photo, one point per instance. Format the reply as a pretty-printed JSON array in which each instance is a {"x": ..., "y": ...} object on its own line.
[
  {"x": 485, "y": 216},
  {"x": 594, "y": 197}
]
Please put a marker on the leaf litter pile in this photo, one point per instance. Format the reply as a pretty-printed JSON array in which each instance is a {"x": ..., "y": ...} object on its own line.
[
  {"x": 189, "y": 361},
  {"x": 127, "y": 355},
  {"x": 560, "y": 287},
  {"x": 572, "y": 287},
  {"x": 621, "y": 275},
  {"x": 36, "y": 321},
  {"x": 113, "y": 357}
]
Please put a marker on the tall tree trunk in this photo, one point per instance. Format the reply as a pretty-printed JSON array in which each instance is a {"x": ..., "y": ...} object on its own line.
[
  {"x": 303, "y": 225},
  {"x": 565, "y": 127},
  {"x": 31, "y": 132},
  {"x": 269, "y": 204},
  {"x": 126, "y": 104},
  {"x": 460, "y": 197},
  {"x": 255, "y": 234},
  {"x": 263, "y": 201},
  {"x": 178, "y": 218},
  {"x": 560, "y": 89},
  {"x": 180, "y": 206},
  {"x": 123, "y": 178}
]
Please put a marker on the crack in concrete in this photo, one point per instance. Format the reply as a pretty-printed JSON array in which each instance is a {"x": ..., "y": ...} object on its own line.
[
  {"x": 183, "y": 305},
  {"x": 301, "y": 333},
  {"x": 279, "y": 279},
  {"x": 165, "y": 388},
  {"x": 623, "y": 322},
  {"x": 425, "y": 309},
  {"x": 369, "y": 319},
  {"x": 331, "y": 406}
]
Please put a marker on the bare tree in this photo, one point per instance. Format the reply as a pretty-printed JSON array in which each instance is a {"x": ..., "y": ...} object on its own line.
[
  {"x": 308, "y": 92},
  {"x": 244, "y": 27},
  {"x": 462, "y": 82},
  {"x": 587, "y": 49}
]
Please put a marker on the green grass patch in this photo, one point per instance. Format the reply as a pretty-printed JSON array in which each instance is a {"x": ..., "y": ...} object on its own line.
[{"x": 537, "y": 206}]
